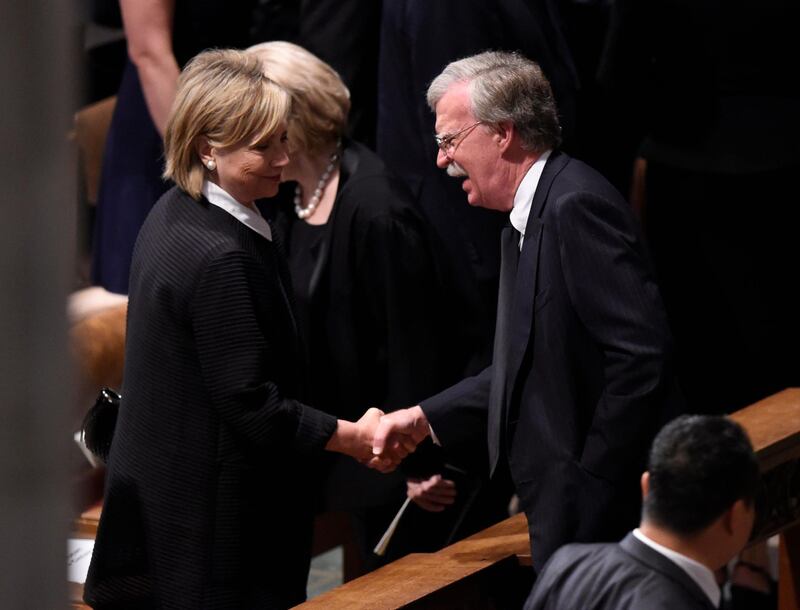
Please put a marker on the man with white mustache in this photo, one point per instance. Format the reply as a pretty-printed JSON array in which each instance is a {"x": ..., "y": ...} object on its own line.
[{"x": 581, "y": 376}]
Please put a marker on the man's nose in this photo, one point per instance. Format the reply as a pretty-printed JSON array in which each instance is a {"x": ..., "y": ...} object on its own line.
[{"x": 442, "y": 159}]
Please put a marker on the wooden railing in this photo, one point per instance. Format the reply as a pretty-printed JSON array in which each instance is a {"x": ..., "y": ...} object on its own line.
[
  {"x": 773, "y": 425},
  {"x": 457, "y": 576}
]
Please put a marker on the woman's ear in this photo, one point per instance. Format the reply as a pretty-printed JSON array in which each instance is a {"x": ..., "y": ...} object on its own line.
[{"x": 204, "y": 150}]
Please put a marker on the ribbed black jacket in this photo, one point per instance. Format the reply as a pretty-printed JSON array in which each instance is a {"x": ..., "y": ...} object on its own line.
[{"x": 204, "y": 505}]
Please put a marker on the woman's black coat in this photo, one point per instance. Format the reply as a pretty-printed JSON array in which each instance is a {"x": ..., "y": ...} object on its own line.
[{"x": 205, "y": 503}]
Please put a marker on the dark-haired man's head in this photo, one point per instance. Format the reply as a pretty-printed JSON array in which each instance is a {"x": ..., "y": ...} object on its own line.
[{"x": 700, "y": 487}]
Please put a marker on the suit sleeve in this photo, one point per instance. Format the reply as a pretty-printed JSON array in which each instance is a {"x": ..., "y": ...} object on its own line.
[
  {"x": 459, "y": 413},
  {"x": 234, "y": 356},
  {"x": 614, "y": 294},
  {"x": 545, "y": 592}
]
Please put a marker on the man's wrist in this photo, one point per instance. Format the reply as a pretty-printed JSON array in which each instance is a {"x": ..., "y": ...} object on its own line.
[{"x": 421, "y": 421}]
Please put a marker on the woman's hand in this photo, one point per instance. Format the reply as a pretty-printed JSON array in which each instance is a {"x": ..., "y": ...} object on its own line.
[{"x": 355, "y": 439}]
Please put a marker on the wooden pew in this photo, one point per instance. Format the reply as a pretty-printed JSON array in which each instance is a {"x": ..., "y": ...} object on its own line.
[
  {"x": 458, "y": 575},
  {"x": 454, "y": 577},
  {"x": 773, "y": 425}
]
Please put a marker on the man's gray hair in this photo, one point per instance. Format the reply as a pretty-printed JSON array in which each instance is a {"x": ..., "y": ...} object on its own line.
[{"x": 505, "y": 87}]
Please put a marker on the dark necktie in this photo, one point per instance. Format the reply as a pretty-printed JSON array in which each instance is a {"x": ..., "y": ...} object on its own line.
[{"x": 509, "y": 243}]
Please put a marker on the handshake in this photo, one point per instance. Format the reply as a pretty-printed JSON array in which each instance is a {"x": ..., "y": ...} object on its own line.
[{"x": 380, "y": 440}]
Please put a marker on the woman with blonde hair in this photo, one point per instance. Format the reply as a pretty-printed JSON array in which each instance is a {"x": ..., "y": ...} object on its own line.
[
  {"x": 205, "y": 503},
  {"x": 362, "y": 272}
]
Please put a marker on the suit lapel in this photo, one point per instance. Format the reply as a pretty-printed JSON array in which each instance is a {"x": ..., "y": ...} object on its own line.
[
  {"x": 509, "y": 255},
  {"x": 527, "y": 272}
]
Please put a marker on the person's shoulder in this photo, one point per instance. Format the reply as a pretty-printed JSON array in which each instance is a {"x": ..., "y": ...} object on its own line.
[
  {"x": 573, "y": 572},
  {"x": 192, "y": 227},
  {"x": 569, "y": 554},
  {"x": 576, "y": 190},
  {"x": 651, "y": 589},
  {"x": 575, "y": 176},
  {"x": 576, "y": 558},
  {"x": 176, "y": 206}
]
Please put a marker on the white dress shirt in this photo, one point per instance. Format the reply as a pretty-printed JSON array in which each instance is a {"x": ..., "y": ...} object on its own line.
[
  {"x": 696, "y": 570},
  {"x": 523, "y": 198},
  {"x": 249, "y": 217}
]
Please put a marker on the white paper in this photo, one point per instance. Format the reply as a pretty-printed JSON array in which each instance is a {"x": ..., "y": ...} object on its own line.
[
  {"x": 380, "y": 548},
  {"x": 79, "y": 555}
]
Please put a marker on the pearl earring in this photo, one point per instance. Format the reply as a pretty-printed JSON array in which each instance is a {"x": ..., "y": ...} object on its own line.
[{"x": 211, "y": 165}]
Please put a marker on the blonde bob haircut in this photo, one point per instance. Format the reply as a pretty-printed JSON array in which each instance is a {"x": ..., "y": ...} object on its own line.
[
  {"x": 320, "y": 100},
  {"x": 223, "y": 96}
]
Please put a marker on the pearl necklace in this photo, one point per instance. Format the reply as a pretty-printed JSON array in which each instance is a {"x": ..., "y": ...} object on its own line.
[{"x": 305, "y": 212}]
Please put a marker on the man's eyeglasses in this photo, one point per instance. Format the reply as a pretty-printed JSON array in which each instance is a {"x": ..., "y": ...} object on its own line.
[{"x": 446, "y": 143}]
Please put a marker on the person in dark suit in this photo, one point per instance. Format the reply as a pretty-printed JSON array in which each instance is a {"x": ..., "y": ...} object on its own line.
[
  {"x": 361, "y": 268},
  {"x": 699, "y": 506},
  {"x": 418, "y": 39},
  {"x": 206, "y": 502},
  {"x": 581, "y": 376}
]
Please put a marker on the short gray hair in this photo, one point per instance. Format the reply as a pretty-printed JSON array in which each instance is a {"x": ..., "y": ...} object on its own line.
[{"x": 505, "y": 87}]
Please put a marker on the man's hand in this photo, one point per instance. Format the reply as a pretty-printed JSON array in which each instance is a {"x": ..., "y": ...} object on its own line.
[
  {"x": 398, "y": 434},
  {"x": 434, "y": 494},
  {"x": 356, "y": 438}
]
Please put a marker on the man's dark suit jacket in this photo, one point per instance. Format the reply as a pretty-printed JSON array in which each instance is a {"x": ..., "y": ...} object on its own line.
[
  {"x": 628, "y": 575},
  {"x": 205, "y": 501},
  {"x": 581, "y": 375}
]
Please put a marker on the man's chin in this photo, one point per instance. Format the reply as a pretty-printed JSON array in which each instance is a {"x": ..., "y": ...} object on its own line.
[{"x": 473, "y": 200}]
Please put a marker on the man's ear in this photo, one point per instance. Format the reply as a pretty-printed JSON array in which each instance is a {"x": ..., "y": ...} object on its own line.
[
  {"x": 504, "y": 134},
  {"x": 742, "y": 515},
  {"x": 645, "y": 482},
  {"x": 728, "y": 519}
]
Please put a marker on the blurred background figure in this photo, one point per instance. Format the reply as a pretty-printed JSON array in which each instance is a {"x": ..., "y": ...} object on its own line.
[
  {"x": 363, "y": 276},
  {"x": 162, "y": 35},
  {"x": 702, "y": 91},
  {"x": 344, "y": 34}
]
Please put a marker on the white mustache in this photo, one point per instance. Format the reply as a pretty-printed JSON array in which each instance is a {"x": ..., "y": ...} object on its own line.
[{"x": 456, "y": 171}]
